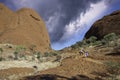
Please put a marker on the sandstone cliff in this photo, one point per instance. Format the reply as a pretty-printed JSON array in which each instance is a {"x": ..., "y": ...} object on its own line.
[
  {"x": 24, "y": 27},
  {"x": 106, "y": 25}
]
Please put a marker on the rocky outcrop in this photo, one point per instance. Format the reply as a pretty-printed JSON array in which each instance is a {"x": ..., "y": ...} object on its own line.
[
  {"x": 108, "y": 24},
  {"x": 24, "y": 27}
]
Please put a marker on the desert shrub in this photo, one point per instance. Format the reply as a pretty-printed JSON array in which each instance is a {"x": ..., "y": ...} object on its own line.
[
  {"x": 84, "y": 41},
  {"x": 97, "y": 43},
  {"x": 39, "y": 55},
  {"x": 106, "y": 41},
  {"x": 80, "y": 43},
  {"x": 47, "y": 54},
  {"x": 50, "y": 54},
  {"x": 117, "y": 48},
  {"x": 110, "y": 37},
  {"x": 22, "y": 56},
  {"x": 20, "y": 48},
  {"x": 36, "y": 54},
  {"x": 112, "y": 43},
  {"x": 113, "y": 67},
  {"x": 103, "y": 42},
  {"x": 92, "y": 39},
  {"x": 15, "y": 55},
  {"x": 58, "y": 58},
  {"x": 88, "y": 42},
  {"x": 1, "y": 51},
  {"x": 1, "y": 58},
  {"x": 75, "y": 46},
  {"x": 55, "y": 53},
  {"x": 32, "y": 48}
]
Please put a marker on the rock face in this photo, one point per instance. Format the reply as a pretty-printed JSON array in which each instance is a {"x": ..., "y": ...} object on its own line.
[
  {"x": 106, "y": 25},
  {"x": 24, "y": 27}
]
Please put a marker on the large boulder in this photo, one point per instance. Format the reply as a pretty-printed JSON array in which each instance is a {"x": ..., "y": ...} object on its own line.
[
  {"x": 23, "y": 27},
  {"x": 108, "y": 24}
]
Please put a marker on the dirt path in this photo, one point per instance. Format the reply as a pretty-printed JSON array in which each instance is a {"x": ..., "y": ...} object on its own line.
[{"x": 94, "y": 61}]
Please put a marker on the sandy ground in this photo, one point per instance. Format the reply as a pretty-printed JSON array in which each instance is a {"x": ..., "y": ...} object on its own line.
[{"x": 27, "y": 64}]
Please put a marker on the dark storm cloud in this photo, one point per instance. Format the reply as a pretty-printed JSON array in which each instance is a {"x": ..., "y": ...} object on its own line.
[
  {"x": 2, "y": 1},
  {"x": 69, "y": 11},
  {"x": 9, "y": 3}
]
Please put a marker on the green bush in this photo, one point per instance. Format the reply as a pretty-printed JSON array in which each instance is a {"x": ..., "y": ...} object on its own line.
[
  {"x": 92, "y": 39},
  {"x": 80, "y": 43},
  {"x": 110, "y": 37},
  {"x": 97, "y": 43},
  {"x": 103, "y": 42},
  {"x": 47, "y": 54},
  {"x": 106, "y": 41},
  {"x": 20, "y": 48},
  {"x": 39, "y": 55},
  {"x": 87, "y": 42}
]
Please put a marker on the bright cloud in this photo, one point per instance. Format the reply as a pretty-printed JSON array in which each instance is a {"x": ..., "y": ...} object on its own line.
[
  {"x": 82, "y": 23},
  {"x": 84, "y": 20}
]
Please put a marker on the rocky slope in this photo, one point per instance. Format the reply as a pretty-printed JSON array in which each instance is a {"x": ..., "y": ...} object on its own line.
[
  {"x": 24, "y": 27},
  {"x": 108, "y": 24}
]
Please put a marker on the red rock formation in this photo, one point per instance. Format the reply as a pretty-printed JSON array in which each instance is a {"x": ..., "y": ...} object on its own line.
[
  {"x": 24, "y": 27},
  {"x": 106, "y": 25}
]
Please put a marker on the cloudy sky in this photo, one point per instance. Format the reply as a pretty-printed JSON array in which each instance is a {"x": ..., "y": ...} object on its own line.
[{"x": 67, "y": 21}]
